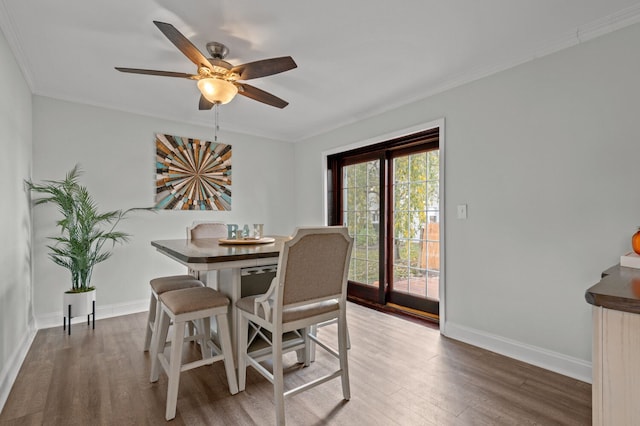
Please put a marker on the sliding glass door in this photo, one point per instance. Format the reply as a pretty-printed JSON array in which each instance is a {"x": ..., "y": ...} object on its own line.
[{"x": 388, "y": 197}]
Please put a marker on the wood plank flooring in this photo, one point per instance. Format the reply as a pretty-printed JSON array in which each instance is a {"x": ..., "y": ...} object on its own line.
[{"x": 402, "y": 373}]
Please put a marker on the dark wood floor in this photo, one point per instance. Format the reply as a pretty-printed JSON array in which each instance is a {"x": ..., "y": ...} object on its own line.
[{"x": 402, "y": 373}]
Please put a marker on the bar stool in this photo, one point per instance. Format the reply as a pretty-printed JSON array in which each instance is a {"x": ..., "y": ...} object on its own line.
[
  {"x": 159, "y": 286},
  {"x": 180, "y": 307}
]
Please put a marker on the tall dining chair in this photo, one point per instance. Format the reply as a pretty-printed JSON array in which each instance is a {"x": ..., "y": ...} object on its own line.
[
  {"x": 309, "y": 288},
  {"x": 207, "y": 230},
  {"x": 180, "y": 307},
  {"x": 160, "y": 285},
  {"x": 199, "y": 230}
]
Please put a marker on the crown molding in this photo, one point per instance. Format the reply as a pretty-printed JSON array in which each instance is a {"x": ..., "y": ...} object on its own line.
[
  {"x": 622, "y": 18},
  {"x": 8, "y": 29}
]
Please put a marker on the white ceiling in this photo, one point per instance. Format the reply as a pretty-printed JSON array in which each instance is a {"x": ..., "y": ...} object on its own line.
[{"x": 355, "y": 58}]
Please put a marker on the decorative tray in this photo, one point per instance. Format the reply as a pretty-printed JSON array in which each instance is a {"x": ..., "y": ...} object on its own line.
[{"x": 263, "y": 240}]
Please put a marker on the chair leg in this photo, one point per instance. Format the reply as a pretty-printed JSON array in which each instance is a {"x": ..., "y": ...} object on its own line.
[
  {"x": 343, "y": 336},
  {"x": 151, "y": 319},
  {"x": 192, "y": 329},
  {"x": 175, "y": 362},
  {"x": 243, "y": 336},
  {"x": 204, "y": 328},
  {"x": 307, "y": 346},
  {"x": 312, "y": 345},
  {"x": 303, "y": 355},
  {"x": 227, "y": 351},
  {"x": 157, "y": 348},
  {"x": 278, "y": 379},
  {"x": 156, "y": 325},
  {"x": 346, "y": 327}
]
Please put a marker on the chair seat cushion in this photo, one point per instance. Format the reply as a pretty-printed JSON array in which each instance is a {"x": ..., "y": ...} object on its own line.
[
  {"x": 193, "y": 299},
  {"x": 288, "y": 314},
  {"x": 174, "y": 282}
]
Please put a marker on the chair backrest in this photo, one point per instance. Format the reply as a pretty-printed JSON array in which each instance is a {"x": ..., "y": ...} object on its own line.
[
  {"x": 314, "y": 265},
  {"x": 206, "y": 230}
]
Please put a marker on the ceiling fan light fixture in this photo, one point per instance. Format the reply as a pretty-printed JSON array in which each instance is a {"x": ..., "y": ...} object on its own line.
[
  {"x": 217, "y": 90},
  {"x": 217, "y": 79}
]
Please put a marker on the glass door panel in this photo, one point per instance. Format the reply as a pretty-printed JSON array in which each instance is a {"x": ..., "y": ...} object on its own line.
[
  {"x": 415, "y": 229},
  {"x": 361, "y": 214}
]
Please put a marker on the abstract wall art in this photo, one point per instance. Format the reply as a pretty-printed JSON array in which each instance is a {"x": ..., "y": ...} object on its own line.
[{"x": 192, "y": 174}]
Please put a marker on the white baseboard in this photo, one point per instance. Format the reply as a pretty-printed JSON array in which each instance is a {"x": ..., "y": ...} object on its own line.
[
  {"x": 10, "y": 370},
  {"x": 562, "y": 364},
  {"x": 54, "y": 319}
]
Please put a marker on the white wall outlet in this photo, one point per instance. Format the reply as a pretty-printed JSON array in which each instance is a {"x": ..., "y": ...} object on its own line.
[{"x": 462, "y": 211}]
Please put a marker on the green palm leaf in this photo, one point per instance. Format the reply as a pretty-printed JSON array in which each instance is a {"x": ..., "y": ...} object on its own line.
[{"x": 83, "y": 229}]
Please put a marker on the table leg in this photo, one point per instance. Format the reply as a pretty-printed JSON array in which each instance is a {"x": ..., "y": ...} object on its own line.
[
  {"x": 209, "y": 278},
  {"x": 229, "y": 284},
  {"x": 228, "y": 281}
]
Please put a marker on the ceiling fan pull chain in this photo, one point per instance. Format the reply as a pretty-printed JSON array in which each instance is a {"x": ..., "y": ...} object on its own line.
[{"x": 217, "y": 127}]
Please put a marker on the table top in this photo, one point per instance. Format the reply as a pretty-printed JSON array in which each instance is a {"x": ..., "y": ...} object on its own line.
[
  {"x": 207, "y": 250},
  {"x": 619, "y": 289}
]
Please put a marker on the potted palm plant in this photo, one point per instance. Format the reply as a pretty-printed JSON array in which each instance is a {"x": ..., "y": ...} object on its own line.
[{"x": 86, "y": 235}]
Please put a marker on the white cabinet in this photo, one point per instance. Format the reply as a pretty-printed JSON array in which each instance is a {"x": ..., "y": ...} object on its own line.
[{"x": 616, "y": 367}]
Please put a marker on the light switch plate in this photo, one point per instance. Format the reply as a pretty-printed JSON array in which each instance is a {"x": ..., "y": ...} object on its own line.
[{"x": 462, "y": 211}]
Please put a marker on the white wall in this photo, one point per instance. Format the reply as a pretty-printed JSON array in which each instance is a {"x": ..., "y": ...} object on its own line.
[
  {"x": 16, "y": 316},
  {"x": 546, "y": 157},
  {"x": 117, "y": 153}
]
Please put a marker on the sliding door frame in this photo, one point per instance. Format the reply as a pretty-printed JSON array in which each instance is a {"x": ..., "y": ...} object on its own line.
[{"x": 329, "y": 182}]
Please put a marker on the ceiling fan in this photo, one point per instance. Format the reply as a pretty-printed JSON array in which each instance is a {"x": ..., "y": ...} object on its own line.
[{"x": 218, "y": 80}]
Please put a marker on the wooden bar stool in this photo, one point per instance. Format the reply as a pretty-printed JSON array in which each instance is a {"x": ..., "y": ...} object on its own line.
[
  {"x": 159, "y": 286},
  {"x": 179, "y": 307}
]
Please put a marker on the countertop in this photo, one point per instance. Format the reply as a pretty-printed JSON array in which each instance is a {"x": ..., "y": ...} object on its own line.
[{"x": 618, "y": 289}]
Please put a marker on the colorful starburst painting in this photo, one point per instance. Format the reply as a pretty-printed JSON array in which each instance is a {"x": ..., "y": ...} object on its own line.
[{"x": 192, "y": 174}]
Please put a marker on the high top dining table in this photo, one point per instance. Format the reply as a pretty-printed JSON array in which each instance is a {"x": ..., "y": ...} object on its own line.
[{"x": 221, "y": 266}]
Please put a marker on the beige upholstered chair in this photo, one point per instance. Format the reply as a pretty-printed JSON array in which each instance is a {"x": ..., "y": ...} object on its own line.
[
  {"x": 207, "y": 230},
  {"x": 179, "y": 307},
  {"x": 309, "y": 288},
  {"x": 159, "y": 286},
  {"x": 199, "y": 230},
  {"x": 177, "y": 282}
]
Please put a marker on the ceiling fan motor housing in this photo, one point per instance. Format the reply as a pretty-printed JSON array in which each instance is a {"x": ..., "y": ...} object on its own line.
[
  {"x": 220, "y": 67},
  {"x": 217, "y": 50}
]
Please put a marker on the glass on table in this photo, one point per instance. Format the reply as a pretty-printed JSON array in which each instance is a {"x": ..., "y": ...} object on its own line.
[{"x": 257, "y": 230}]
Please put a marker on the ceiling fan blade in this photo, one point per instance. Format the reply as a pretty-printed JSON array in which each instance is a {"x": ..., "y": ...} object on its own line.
[
  {"x": 261, "y": 96},
  {"x": 183, "y": 44},
  {"x": 204, "y": 104},
  {"x": 160, "y": 73},
  {"x": 264, "y": 67}
]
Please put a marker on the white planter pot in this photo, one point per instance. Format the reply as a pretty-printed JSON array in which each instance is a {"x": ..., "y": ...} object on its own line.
[{"x": 81, "y": 303}]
